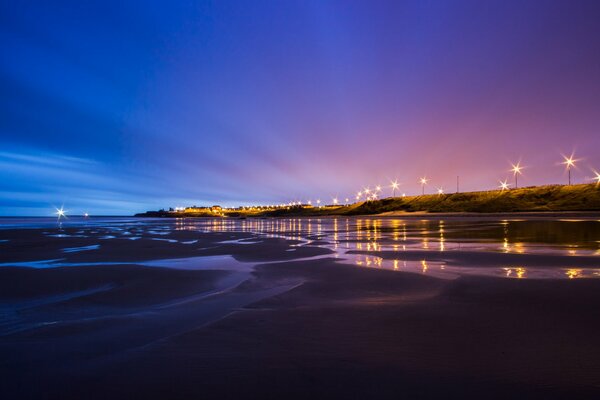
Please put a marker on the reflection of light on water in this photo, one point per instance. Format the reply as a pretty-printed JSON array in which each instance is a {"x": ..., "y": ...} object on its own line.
[
  {"x": 335, "y": 233},
  {"x": 376, "y": 235},
  {"x": 574, "y": 273},
  {"x": 518, "y": 272},
  {"x": 373, "y": 246},
  {"x": 424, "y": 265},
  {"x": 369, "y": 260}
]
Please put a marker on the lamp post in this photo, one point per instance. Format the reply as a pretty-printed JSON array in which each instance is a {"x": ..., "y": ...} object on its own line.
[
  {"x": 569, "y": 162},
  {"x": 423, "y": 181},
  {"x": 516, "y": 170},
  {"x": 394, "y": 187},
  {"x": 60, "y": 212},
  {"x": 504, "y": 185}
]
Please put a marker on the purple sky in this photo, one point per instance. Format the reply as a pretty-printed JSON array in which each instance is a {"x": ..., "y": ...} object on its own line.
[{"x": 114, "y": 109}]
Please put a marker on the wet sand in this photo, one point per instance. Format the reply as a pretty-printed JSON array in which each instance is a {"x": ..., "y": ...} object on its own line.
[{"x": 278, "y": 320}]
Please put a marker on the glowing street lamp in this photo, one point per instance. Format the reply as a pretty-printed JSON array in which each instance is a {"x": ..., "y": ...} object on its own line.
[
  {"x": 423, "y": 181},
  {"x": 504, "y": 185},
  {"x": 347, "y": 200},
  {"x": 378, "y": 188},
  {"x": 569, "y": 162},
  {"x": 318, "y": 202},
  {"x": 394, "y": 187},
  {"x": 335, "y": 201},
  {"x": 61, "y": 213},
  {"x": 516, "y": 170},
  {"x": 440, "y": 191},
  {"x": 597, "y": 178}
]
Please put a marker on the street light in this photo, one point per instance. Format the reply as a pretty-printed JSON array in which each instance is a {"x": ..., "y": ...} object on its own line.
[
  {"x": 335, "y": 201},
  {"x": 440, "y": 191},
  {"x": 516, "y": 170},
  {"x": 423, "y": 181},
  {"x": 597, "y": 178},
  {"x": 569, "y": 162},
  {"x": 504, "y": 185},
  {"x": 394, "y": 187},
  {"x": 60, "y": 212}
]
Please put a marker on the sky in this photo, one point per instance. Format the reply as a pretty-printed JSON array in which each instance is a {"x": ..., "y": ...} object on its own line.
[{"x": 117, "y": 107}]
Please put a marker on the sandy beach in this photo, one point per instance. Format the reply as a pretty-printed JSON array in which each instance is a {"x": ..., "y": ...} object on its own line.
[{"x": 87, "y": 312}]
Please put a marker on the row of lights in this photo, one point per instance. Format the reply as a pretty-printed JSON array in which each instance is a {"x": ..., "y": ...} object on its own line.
[
  {"x": 373, "y": 194},
  {"x": 516, "y": 169}
]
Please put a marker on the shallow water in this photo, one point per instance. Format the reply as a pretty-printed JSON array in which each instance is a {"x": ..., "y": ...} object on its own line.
[{"x": 557, "y": 248}]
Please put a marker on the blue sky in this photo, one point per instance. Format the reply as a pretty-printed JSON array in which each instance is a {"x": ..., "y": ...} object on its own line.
[{"x": 118, "y": 107}]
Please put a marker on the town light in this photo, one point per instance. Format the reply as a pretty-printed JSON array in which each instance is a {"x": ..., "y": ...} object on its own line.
[
  {"x": 440, "y": 191},
  {"x": 504, "y": 185}
]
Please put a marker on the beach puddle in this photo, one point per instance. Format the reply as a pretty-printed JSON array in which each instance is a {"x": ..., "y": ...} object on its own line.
[
  {"x": 82, "y": 248},
  {"x": 224, "y": 262}
]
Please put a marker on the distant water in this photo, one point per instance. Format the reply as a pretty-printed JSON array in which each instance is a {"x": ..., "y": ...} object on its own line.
[{"x": 53, "y": 222}]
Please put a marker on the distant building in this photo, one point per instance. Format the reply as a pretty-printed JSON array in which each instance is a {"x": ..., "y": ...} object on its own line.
[
  {"x": 196, "y": 209},
  {"x": 216, "y": 209}
]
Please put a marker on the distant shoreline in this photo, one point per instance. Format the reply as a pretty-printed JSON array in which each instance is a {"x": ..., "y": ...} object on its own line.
[{"x": 582, "y": 200}]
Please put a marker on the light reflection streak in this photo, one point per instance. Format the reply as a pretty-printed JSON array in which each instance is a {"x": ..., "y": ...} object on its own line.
[
  {"x": 377, "y": 234},
  {"x": 574, "y": 273}
]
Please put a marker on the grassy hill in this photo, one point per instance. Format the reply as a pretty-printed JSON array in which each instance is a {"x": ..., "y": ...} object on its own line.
[
  {"x": 539, "y": 198},
  {"x": 529, "y": 199}
]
